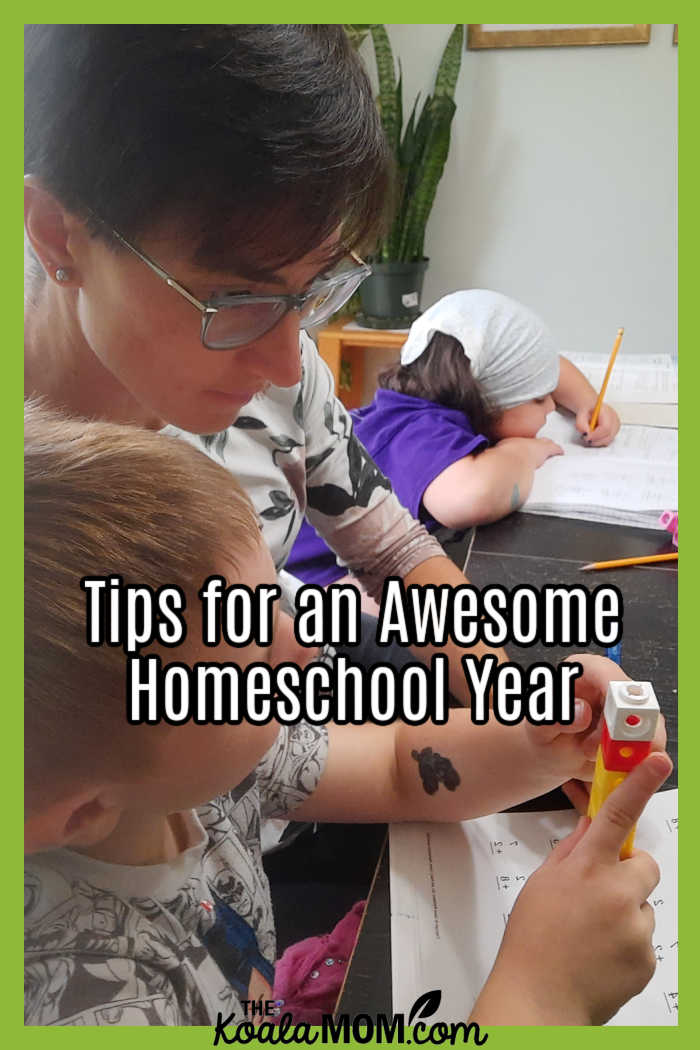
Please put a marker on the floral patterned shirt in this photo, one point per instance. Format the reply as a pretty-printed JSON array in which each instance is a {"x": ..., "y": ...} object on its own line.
[
  {"x": 167, "y": 944},
  {"x": 294, "y": 452}
]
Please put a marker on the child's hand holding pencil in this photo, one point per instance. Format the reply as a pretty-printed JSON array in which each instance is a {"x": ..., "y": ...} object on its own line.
[
  {"x": 605, "y": 430},
  {"x": 603, "y": 423}
]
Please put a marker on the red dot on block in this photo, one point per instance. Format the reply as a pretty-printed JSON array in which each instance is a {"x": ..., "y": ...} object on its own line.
[{"x": 633, "y": 720}]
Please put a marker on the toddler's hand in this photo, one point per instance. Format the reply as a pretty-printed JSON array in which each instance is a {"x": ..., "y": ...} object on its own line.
[
  {"x": 598, "y": 672},
  {"x": 606, "y": 428},
  {"x": 592, "y": 686},
  {"x": 570, "y": 750},
  {"x": 560, "y": 751},
  {"x": 587, "y": 911}
]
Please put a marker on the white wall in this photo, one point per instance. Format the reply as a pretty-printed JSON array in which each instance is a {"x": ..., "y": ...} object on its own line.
[{"x": 560, "y": 187}]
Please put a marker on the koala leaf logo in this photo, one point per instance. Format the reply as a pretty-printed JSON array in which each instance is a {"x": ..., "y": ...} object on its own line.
[{"x": 425, "y": 1005}]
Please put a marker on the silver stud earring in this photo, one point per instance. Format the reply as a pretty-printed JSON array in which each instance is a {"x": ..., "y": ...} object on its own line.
[{"x": 62, "y": 275}]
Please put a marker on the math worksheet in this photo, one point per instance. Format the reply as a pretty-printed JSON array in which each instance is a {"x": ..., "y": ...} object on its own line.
[
  {"x": 648, "y": 378},
  {"x": 454, "y": 885},
  {"x": 629, "y": 482}
]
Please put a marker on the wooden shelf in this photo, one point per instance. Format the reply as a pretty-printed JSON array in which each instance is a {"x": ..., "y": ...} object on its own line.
[{"x": 343, "y": 349}]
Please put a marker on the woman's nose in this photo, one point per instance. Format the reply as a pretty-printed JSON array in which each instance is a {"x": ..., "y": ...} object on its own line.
[{"x": 276, "y": 356}]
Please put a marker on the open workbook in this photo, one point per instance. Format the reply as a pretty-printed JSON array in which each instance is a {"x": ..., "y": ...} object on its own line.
[
  {"x": 632, "y": 480},
  {"x": 454, "y": 885},
  {"x": 650, "y": 379}
]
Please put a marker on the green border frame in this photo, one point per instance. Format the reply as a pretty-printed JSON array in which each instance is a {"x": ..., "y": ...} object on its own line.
[{"x": 12, "y": 534}]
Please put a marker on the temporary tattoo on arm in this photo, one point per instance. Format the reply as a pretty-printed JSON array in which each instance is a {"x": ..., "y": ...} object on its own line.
[
  {"x": 515, "y": 498},
  {"x": 435, "y": 769}
]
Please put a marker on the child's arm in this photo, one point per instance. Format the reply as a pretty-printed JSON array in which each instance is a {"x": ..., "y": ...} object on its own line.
[
  {"x": 378, "y": 773},
  {"x": 485, "y": 487},
  {"x": 574, "y": 392},
  {"x": 578, "y": 942},
  {"x": 451, "y": 772}
]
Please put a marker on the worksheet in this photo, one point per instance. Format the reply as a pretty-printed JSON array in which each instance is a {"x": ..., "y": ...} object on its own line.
[
  {"x": 631, "y": 481},
  {"x": 650, "y": 378},
  {"x": 453, "y": 887},
  {"x": 645, "y": 444},
  {"x": 647, "y": 414}
]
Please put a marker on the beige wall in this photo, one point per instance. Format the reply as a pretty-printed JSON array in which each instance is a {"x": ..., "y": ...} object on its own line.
[{"x": 560, "y": 188}]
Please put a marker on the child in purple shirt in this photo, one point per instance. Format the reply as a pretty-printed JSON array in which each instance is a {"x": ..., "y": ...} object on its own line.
[{"x": 453, "y": 425}]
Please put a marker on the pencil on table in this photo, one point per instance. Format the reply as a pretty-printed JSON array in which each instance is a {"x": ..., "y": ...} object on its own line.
[
  {"x": 643, "y": 560},
  {"x": 598, "y": 405}
]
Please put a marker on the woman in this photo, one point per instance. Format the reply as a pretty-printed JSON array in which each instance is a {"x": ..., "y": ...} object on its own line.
[{"x": 193, "y": 197}]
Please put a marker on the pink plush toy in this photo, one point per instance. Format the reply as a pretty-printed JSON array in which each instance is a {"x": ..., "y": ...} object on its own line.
[{"x": 669, "y": 520}]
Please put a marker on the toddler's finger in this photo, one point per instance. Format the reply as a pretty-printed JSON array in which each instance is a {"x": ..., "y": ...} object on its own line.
[
  {"x": 598, "y": 672},
  {"x": 583, "y": 716},
  {"x": 545, "y": 734},
  {"x": 659, "y": 741},
  {"x": 623, "y": 807}
]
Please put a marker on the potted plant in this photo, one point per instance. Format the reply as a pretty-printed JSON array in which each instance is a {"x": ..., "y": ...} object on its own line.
[{"x": 390, "y": 298}]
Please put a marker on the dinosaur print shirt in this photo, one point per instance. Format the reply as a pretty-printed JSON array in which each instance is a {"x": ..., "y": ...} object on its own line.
[
  {"x": 294, "y": 452},
  {"x": 167, "y": 944}
]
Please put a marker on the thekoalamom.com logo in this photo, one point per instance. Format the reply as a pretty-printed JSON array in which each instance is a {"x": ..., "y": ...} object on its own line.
[{"x": 360, "y": 1029}]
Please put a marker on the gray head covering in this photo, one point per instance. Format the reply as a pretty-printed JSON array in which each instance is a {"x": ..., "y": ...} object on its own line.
[{"x": 511, "y": 351}]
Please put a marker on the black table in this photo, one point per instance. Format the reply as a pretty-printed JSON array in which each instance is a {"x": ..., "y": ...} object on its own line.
[{"x": 525, "y": 548}]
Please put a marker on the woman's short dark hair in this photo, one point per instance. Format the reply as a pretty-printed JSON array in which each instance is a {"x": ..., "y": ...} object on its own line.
[
  {"x": 443, "y": 374},
  {"x": 260, "y": 140}
]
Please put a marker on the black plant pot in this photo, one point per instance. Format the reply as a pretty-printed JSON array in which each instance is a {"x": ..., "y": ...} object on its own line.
[{"x": 391, "y": 296}]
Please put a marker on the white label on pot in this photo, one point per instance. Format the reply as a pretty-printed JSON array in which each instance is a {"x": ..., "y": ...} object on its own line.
[{"x": 410, "y": 299}]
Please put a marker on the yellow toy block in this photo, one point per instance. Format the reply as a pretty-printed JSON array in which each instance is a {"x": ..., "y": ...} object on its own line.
[{"x": 605, "y": 781}]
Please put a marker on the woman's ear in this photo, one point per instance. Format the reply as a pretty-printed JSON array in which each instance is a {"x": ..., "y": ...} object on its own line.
[
  {"x": 48, "y": 225},
  {"x": 81, "y": 819}
]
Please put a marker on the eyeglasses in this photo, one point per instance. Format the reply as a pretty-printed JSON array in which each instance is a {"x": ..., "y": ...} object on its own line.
[{"x": 229, "y": 321}]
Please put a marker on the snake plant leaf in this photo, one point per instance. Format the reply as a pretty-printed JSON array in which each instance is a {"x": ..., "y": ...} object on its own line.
[
  {"x": 448, "y": 70},
  {"x": 432, "y": 164},
  {"x": 386, "y": 100},
  {"x": 421, "y": 152},
  {"x": 414, "y": 154},
  {"x": 406, "y": 145},
  {"x": 404, "y": 161},
  {"x": 411, "y": 153},
  {"x": 357, "y": 34},
  {"x": 433, "y": 134},
  {"x": 399, "y": 106},
  {"x": 416, "y": 149}
]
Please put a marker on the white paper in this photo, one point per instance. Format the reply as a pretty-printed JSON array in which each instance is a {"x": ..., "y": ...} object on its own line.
[
  {"x": 645, "y": 414},
  {"x": 630, "y": 481},
  {"x": 652, "y": 378},
  {"x": 454, "y": 885}
]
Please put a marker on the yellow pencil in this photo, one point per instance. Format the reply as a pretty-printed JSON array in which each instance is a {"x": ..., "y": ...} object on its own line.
[
  {"x": 596, "y": 411},
  {"x": 645, "y": 560}
]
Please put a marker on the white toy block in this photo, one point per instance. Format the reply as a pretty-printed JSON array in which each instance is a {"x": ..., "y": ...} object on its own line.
[{"x": 631, "y": 711}]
